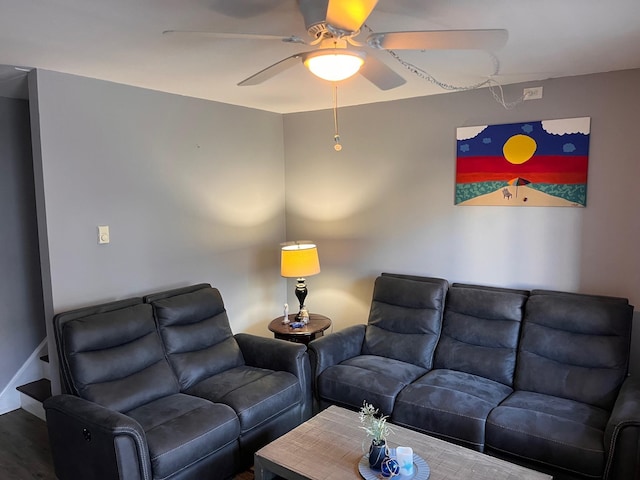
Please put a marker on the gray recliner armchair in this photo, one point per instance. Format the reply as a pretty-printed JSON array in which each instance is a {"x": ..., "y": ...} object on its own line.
[
  {"x": 375, "y": 362},
  {"x": 266, "y": 382}
]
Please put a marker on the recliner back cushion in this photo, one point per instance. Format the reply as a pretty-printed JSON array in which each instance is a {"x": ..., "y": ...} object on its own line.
[
  {"x": 575, "y": 347},
  {"x": 116, "y": 358},
  {"x": 197, "y": 336},
  {"x": 480, "y": 331},
  {"x": 405, "y": 318}
]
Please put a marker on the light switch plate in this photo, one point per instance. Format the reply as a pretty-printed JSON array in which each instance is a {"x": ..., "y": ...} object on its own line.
[{"x": 103, "y": 234}]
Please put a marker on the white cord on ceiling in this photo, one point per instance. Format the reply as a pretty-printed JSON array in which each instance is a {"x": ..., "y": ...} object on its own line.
[{"x": 490, "y": 82}]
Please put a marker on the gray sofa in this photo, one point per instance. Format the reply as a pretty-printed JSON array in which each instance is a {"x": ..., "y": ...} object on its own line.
[
  {"x": 159, "y": 388},
  {"x": 536, "y": 377}
]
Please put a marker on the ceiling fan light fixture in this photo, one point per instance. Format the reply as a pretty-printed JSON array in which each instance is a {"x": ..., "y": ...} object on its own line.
[{"x": 334, "y": 65}]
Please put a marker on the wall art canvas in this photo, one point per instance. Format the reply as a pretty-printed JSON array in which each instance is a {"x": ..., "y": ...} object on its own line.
[{"x": 541, "y": 163}]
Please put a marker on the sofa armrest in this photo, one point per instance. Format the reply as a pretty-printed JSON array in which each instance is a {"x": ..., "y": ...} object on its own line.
[
  {"x": 330, "y": 350},
  {"x": 335, "y": 348},
  {"x": 279, "y": 355},
  {"x": 264, "y": 352},
  {"x": 622, "y": 434},
  {"x": 90, "y": 441}
]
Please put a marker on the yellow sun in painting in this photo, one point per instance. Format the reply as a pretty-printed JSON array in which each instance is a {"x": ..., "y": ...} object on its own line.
[{"x": 519, "y": 148}]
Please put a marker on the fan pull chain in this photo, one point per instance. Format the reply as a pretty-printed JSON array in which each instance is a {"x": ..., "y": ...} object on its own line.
[{"x": 336, "y": 137}]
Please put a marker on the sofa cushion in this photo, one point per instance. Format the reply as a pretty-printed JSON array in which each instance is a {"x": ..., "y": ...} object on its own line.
[
  {"x": 376, "y": 380},
  {"x": 405, "y": 318},
  {"x": 196, "y": 333},
  {"x": 255, "y": 394},
  {"x": 182, "y": 430},
  {"x": 575, "y": 347},
  {"x": 480, "y": 331},
  {"x": 115, "y": 358},
  {"x": 450, "y": 404},
  {"x": 549, "y": 430}
]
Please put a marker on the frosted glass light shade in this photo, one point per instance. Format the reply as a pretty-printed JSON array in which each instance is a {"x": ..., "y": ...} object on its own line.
[
  {"x": 334, "y": 65},
  {"x": 299, "y": 260}
]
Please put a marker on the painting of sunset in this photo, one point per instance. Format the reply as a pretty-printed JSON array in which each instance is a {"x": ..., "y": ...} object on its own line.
[{"x": 542, "y": 163}]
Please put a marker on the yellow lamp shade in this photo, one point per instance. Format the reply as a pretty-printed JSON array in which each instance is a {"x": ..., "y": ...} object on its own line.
[{"x": 299, "y": 260}]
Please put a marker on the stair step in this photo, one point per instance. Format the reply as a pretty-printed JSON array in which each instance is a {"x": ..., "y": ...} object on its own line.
[{"x": 40, "y": 390}]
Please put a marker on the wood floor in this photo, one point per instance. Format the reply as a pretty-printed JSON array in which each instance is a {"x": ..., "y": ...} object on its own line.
[{"x": 24, "y": 448}]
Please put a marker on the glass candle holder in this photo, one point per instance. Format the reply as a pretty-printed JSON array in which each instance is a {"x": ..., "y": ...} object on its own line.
[{"x": 404, "y": 456}]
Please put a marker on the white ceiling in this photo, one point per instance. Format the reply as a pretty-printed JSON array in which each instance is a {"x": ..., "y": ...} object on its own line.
[{"x": 122, "y": 41}]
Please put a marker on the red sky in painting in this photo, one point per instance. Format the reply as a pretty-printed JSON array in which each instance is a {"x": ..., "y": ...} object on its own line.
[{"x": 539, "y": 169}]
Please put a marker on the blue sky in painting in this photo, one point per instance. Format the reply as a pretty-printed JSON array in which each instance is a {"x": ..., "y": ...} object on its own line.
[{"x": 490, "y": 141}]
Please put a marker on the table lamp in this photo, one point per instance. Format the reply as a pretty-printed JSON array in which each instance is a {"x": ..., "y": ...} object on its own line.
[{"x": 299, "y": 259}]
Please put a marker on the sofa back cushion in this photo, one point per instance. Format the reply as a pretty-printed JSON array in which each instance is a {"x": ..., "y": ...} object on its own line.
[
  {"x": 111, "y": 354},
  {"x": 405, "y": 318},
  {"x": 195, "y": 329},
  {"x": 480, "y": 331},
  {"x": 574, "y": 346}
]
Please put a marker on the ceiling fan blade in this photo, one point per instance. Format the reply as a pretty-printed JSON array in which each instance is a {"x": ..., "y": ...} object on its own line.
[
  {"x": 440, "y": 40},
  {"x": 348, "y": 16},
  {"x": 238, "y": 36},
  {"x": 380, "y": 74},
  {"x": 272, "y": 70}
]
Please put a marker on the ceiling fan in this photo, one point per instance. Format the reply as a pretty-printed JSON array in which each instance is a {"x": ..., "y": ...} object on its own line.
[{"x": 334, "y": 25}]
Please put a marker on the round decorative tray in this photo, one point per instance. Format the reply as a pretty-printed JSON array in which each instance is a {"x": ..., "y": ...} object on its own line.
[{"x": 421, "y": 470}]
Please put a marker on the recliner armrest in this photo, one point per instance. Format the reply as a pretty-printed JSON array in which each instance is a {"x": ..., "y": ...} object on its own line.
[
  {"x": 335, "y": 348},
  {"x": 330, "y": 350},
  {"x": 622, "y": 434},
  {"x": 270, "y": 353},
  {"x": 279, "y": 355},
  {"x": 90, "y": 441}
]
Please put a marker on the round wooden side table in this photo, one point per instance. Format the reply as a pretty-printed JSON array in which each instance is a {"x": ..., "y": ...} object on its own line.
[{"x": 312, "y": 330}]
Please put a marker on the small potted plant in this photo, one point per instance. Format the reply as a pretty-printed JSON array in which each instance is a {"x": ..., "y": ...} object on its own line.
[{"x": 375, "y": 425}]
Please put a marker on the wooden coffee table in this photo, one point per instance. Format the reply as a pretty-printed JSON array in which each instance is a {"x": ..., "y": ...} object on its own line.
[{"x": 329, "y": 447}]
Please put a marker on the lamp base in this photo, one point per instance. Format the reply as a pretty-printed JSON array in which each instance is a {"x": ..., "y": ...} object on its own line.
[
  {"x": 301, "y": 294},
  {"x": 303, "y": 315}
]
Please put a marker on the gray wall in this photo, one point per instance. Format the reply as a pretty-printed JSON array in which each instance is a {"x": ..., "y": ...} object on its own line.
[
  {"x": 22, "y": 325},
  {"x": 193, "y": 191},
  {"x": 386, "y": 201}
]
